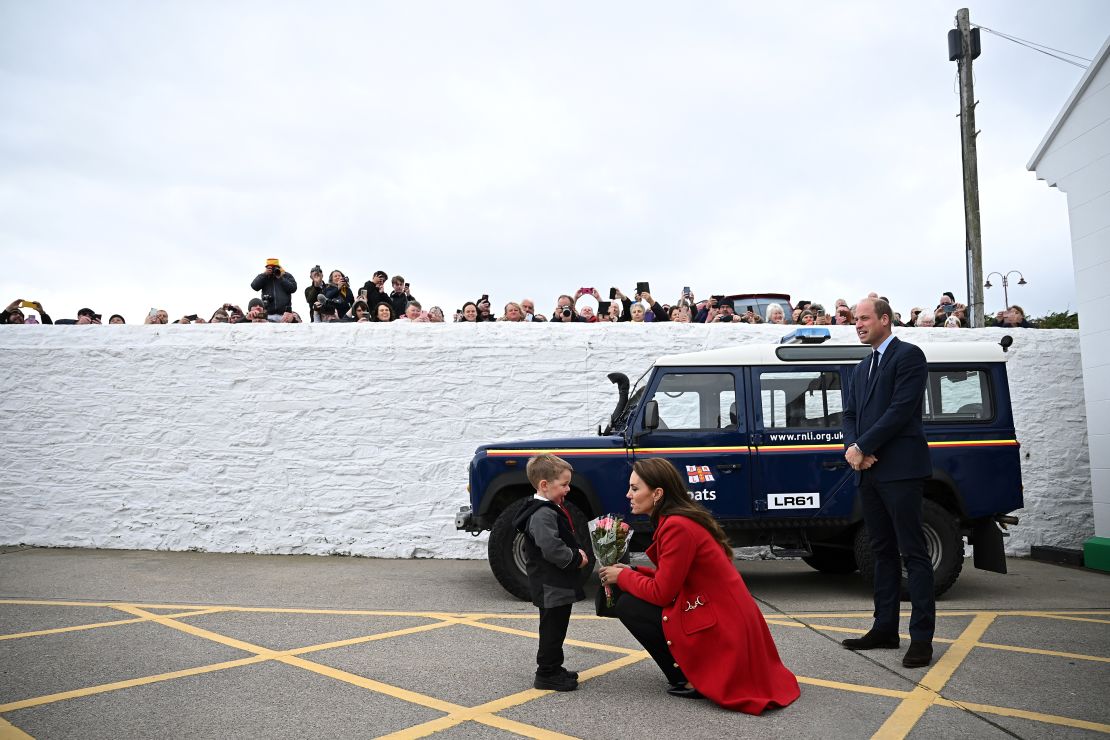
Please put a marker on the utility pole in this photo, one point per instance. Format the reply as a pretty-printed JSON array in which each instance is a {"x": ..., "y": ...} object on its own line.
[{"x": 966, "y": 50}]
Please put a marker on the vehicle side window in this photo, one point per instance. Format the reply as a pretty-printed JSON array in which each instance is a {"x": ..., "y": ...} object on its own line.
[
  {"x": 957, "y": 395},
  {"x": 801, "y": 400},
  {"x": 696, "y": 401}
]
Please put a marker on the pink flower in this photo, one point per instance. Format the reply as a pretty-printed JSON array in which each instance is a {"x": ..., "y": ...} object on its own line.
[{"x": 624, "y": 526}]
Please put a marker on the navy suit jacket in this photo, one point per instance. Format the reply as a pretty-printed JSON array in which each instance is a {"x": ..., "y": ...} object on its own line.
[{"x": 884, "y": 418}]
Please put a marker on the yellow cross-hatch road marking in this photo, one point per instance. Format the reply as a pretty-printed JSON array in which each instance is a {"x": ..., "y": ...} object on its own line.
[
  {"x": 913, "y": 707},
  {"x": 914, "y": 702}
]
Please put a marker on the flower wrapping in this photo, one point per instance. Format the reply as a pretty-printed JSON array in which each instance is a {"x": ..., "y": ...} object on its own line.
[{"x": 610, "y": 536}]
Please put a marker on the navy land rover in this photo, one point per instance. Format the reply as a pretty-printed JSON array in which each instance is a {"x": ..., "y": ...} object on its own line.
[{"x": 756, "y": 430}]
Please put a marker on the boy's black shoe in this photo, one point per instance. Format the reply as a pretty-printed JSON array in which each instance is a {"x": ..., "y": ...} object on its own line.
[
  {"x": 565, "y": 672},
  {"x": 870, "y": 641},
  {"x": 556, "y": 682},
  {"x": 919, "y": 655}
]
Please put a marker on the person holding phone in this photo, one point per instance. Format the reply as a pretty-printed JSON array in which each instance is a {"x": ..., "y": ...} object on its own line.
[
  {"x": 13, "y": 314},
  {"x": 400, "y": 295},
  {"x": 484, "y": 312}
]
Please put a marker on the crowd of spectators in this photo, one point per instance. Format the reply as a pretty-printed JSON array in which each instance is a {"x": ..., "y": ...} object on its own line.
[{"x": 337, "y": 300}]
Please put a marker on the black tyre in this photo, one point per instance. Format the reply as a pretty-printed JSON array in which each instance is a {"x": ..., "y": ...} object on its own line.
[
  {"x": 506, "y": 549},
  {"x": 943, "y": 540},
  {"x": 833, "y": 560}
]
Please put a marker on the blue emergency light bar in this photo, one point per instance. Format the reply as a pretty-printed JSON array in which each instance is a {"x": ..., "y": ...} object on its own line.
[{"x": 807, "y": 335}]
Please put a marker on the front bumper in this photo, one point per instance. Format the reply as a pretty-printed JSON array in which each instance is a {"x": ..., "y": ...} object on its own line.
[{"x": 465, "y": 520}]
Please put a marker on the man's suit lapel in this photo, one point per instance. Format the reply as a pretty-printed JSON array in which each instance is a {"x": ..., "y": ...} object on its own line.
[{"x": 886, "y": 358}]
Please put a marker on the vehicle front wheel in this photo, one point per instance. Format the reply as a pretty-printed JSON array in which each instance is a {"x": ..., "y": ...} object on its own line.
[
  {"x": 506, "y": 551},
  {"x": 942, "y": 539}
]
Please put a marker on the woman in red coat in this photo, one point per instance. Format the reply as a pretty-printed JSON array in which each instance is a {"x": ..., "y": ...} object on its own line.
[{"x": 692, "y": 612}]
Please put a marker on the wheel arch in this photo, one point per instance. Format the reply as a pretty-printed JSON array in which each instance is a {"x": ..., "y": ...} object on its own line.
[{"x": 513, "y": 485}]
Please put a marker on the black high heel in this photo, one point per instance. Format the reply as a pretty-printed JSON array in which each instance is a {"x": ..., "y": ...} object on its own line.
[{"x": 686, "y": 692}]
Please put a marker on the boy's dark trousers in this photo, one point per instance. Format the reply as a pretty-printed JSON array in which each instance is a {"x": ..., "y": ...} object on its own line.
[
  {"x": 553, "y": 630},
  {"x": 645, "y": 622}
]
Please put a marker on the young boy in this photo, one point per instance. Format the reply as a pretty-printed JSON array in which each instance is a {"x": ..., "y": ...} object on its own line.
[{"x": 554, "y": 559}]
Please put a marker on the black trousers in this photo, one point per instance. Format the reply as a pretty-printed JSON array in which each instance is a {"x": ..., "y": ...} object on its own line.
[
  {"x": 892, "y": 513},
  {"x": 645, "y": 622},
  {"x": 553, "y": 630}
]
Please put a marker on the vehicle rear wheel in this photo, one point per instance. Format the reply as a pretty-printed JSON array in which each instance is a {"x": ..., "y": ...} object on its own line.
[
  {"x": 942, "y": 539},
  {"x": 833, "y": 560},
  {"x": 506, "y": 549}
]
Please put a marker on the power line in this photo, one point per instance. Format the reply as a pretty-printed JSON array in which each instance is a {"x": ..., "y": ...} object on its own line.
[{"x": 1046, "y": 50}]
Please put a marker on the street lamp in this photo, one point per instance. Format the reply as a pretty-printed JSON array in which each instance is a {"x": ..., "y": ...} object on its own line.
[{"x": 1006, "y": 284}]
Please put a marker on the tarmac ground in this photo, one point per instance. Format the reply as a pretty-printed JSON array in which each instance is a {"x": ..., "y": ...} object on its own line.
[{"x": 135, "y": 644}]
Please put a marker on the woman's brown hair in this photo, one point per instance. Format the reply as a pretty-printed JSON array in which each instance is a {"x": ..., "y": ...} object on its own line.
[{"x": 656, "y": 472}]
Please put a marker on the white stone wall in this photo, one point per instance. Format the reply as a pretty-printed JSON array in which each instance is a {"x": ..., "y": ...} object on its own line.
[{"x": 355, "y": 438}]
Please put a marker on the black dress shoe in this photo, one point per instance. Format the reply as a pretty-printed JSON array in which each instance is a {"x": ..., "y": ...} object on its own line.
[
  {"x": 686, "y": 692},
  {"x": 870, "y": 641},
  {"x": 919, "y": 655}
]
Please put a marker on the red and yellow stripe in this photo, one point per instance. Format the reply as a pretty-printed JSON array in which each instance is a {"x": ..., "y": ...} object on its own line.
[{"x": 594, "y": 452}]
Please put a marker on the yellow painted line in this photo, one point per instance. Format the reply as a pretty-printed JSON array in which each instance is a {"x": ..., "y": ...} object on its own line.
[
  {"x": 354, "y": 679},
  {"x": 76, "y": 628},
  {"x": 509, "y": 725},
  {"x": 8, "y": 731},
  {"x": 129, "y": 683},
  {"x": 195, "y": 631},
  {"x": 1072, "y": 619},
  {"x": 95, "y": 625},
  {"x": 535, "y": 636},
  {"x": 913, "y": 707},
  {"x": 424, "y": 729},
  {"x": 853, "y": 687},
  {"x": 484, "y": 713},
  {"x": 1053, "y": 719},
  {"x": 1039, "y": 651},
  {"x": 371, "y": 638}
]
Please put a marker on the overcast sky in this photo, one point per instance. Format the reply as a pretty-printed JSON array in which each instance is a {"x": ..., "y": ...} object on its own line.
[{"x": 154, "y": 154}]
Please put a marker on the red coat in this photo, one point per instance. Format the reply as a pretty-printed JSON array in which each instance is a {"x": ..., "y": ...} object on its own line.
[{"x": 714, "y": 629}]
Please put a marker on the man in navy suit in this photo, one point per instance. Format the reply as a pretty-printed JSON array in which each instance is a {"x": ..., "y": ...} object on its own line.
[{"x": 886, "y": 447}]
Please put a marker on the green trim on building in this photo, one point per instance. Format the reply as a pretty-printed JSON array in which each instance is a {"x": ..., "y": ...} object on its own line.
[{"x": 1096, "y": 553}]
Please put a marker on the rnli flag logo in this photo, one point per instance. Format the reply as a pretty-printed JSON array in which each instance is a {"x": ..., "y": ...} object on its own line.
[{"x": 698, "y": 474}]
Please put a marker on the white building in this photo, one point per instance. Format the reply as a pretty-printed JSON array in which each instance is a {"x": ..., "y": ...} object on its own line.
[{"x": 1074, "y": 157}]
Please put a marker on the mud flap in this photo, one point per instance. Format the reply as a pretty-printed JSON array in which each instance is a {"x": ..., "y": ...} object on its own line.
[{"x": 986, "y": 541}]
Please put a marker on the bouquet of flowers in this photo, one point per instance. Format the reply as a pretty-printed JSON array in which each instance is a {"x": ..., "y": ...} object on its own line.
[{"x": 610, "y": 536}]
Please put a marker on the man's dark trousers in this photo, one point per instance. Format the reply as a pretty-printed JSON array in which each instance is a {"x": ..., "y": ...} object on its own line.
[
  {"x": 892, "y": 511},
  {"x": 553, "y": 630}
]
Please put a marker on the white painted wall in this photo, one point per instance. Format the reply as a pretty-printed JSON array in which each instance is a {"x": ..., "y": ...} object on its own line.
[
  {"x": 1076, "y": 160},
  {"x": 355, "y": 438}
]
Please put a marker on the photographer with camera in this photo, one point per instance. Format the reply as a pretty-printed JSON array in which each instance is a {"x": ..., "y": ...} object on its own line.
[
  {"x": 726, "y": 314},
  {"x": 948, "y": 307},
  {"x": 564, "y": 311},
  {"x": 277, "y": 287},
  {"x": 256, "y": 312}
]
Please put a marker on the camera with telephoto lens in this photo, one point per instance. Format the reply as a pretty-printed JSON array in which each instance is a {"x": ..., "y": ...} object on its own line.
[{"x": 567, "y": 313}]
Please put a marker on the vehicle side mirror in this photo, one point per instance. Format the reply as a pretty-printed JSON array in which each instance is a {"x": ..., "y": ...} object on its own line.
[{"x": 651, "y": 416}]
